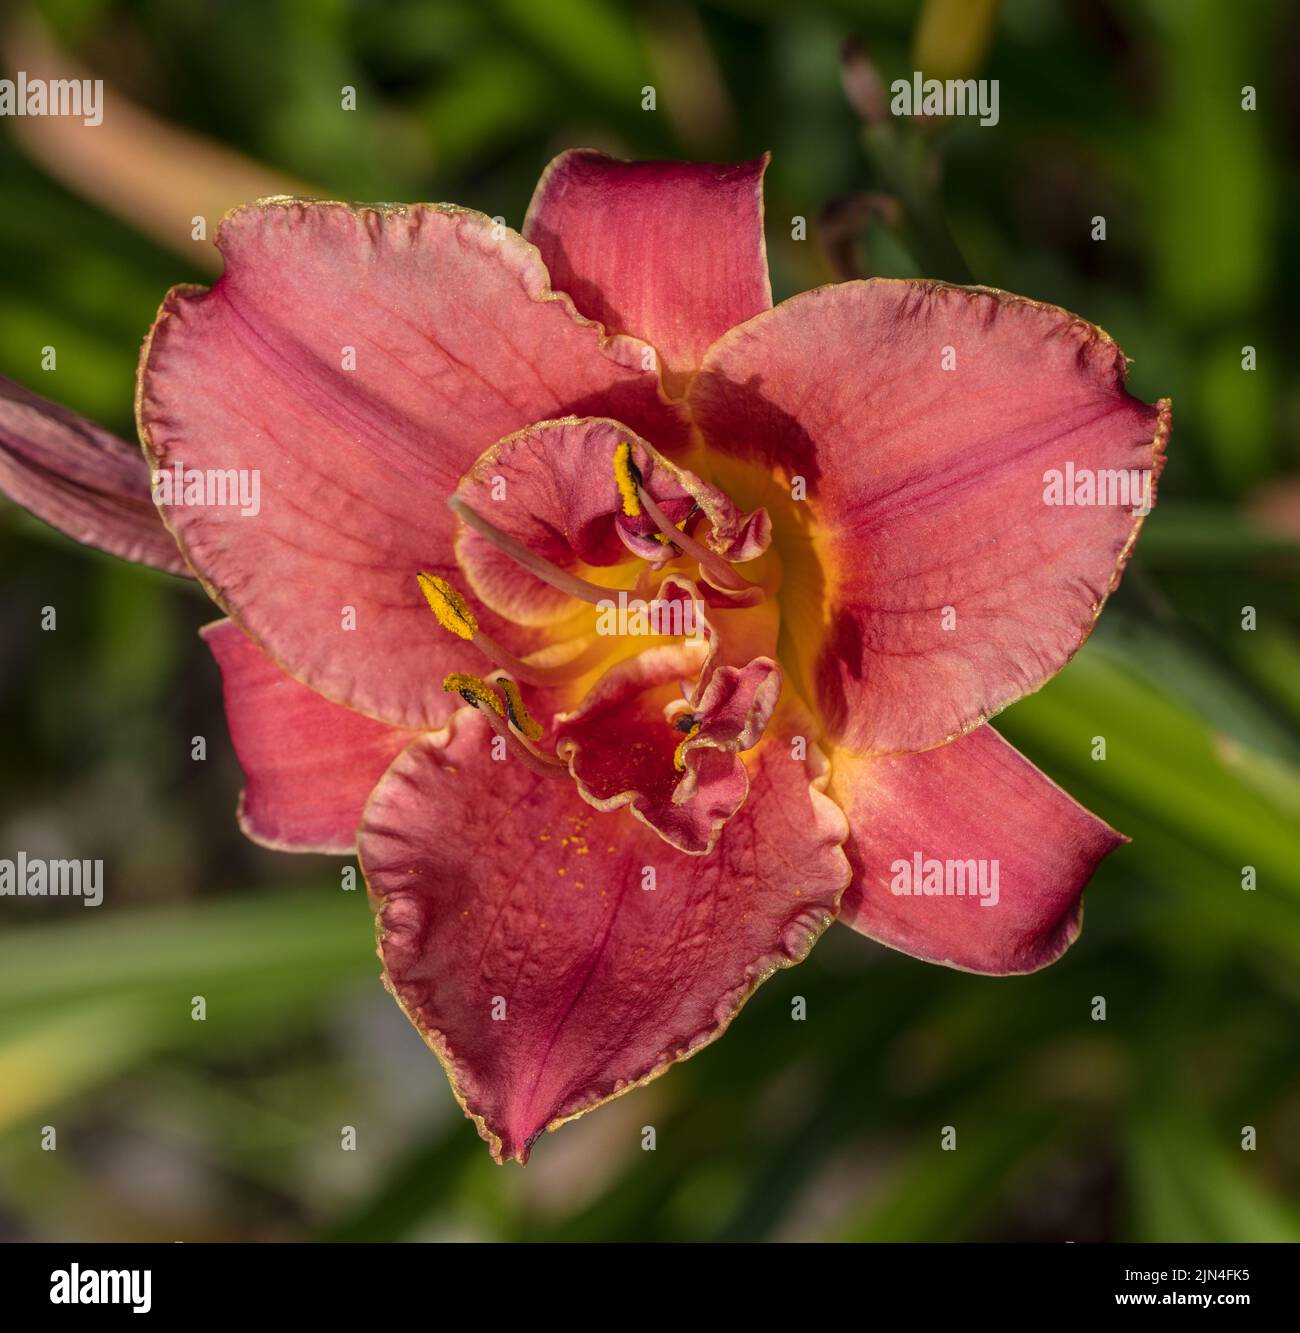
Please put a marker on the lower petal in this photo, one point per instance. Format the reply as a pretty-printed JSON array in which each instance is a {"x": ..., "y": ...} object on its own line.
[
  {"x": 310, "y": 764},
  {"x": 976, "y": 814},
  {"x": 553, "y": 956}
]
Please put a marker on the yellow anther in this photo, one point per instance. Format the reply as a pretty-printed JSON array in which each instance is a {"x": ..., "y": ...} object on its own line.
[
  {"x": 520, "y": 718},
  {"x": 449, "y": 606},
  {"x": 627, "y": 479},
  {"x": 679, "y": 755},
  {"x": 474, "y": 690}
]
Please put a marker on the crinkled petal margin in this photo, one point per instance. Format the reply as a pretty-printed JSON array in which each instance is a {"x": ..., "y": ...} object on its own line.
[{"x": 470, "y": 908}]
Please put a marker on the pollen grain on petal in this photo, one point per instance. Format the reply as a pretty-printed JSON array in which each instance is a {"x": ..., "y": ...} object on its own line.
[{"x": 449, "y": 606}]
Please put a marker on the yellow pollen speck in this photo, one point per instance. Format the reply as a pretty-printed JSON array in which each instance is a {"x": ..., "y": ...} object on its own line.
[
  {"x": 519, "y": 716},
  {"x": 449, "y": 606},
  {"x": 474, "y": 690},
  {"x": 559, "y": 870},
  {"x": 626, "y": 479},
  {"x": 679, "y": 755}
]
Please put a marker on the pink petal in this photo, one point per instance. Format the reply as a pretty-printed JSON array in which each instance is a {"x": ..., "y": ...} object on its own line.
[
  {"x": 310, "y": 764},
  {"x": 499, "y": 889},
  {"x": 733, "y": 711},
  {"x": 670, "y": 251},
  {"x": 977, "y": 800},
  {"x": 458, "y": 341},
  {"x": 82, "y": 480},
  {"x": 926, "y": 491},
  {"x": 620, "y": 743},
  {"x": 551, "y": 486}
]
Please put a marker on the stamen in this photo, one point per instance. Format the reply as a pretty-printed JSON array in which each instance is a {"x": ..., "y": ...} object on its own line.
[
  {"x": 475, "y": 691},
  {"x": 500, "y": 713},
  {"x": 627, "y": 476},
  {"x": 711, "y": 563},
  {"x": 535, "y": 564},
  {"x": 454, "y": 614},
  {"x": 520, "y": 718},
  {"x": 679, "y": 526},
  {"x": 449, "y": 606},
  {"x": 544, "y": 765},
  {"x": 679, "y": 755}
]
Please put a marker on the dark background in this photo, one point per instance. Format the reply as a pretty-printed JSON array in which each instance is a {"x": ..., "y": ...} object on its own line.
[{"x": 1068, "y": 1128}]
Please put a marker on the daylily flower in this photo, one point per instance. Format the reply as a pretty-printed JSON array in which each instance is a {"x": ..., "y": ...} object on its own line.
[{"x": 587, "y": 850}]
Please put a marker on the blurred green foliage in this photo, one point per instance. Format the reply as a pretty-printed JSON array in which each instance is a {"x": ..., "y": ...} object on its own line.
[{"x": 1068, "y": 1128}]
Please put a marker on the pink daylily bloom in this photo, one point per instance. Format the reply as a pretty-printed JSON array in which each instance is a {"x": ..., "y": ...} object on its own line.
[{"x": 631, "y": 630}]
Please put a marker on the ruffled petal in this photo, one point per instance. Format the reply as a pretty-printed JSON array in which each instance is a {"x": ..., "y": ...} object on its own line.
[
  {"x": 670, "y": 251},
  {"x": 625, "y": 744},
  {"x": 976, "y": 816},
  {"x": 358, "y": 360},
  {"x": 310, "y": 764},
  {"x": 552, "y": 488},
  {"x": 928, "y": 584},
  {"x": 730, "y": 717},
  {"x": 554, "y": 957},
  {"x": 81, "y": 479}
]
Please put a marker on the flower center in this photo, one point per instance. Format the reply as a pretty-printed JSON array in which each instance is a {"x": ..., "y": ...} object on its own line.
[{"x": 662, "y": 536}]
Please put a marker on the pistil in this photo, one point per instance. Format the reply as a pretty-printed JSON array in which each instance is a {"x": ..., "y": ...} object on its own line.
[
  {"x": 533, "y": 563},
  {"x": 721, "y": 574}
]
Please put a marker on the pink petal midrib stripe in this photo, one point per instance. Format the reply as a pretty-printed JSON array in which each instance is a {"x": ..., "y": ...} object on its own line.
[{"x": 916, "y": 495}]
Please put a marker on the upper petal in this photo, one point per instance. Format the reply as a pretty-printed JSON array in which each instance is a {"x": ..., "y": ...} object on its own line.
[
  {"x": 81, "y": 479},
  {"x": 970, "y": 813},
  {"x": 670, "y": 251},
  {"x": 554, "y": 956},
  {"x": 552, "y": 488},
  {"x": 358, "y": 360},
  {"x": 928, "y": 584},
  {"x": 310, "y": 764}
]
